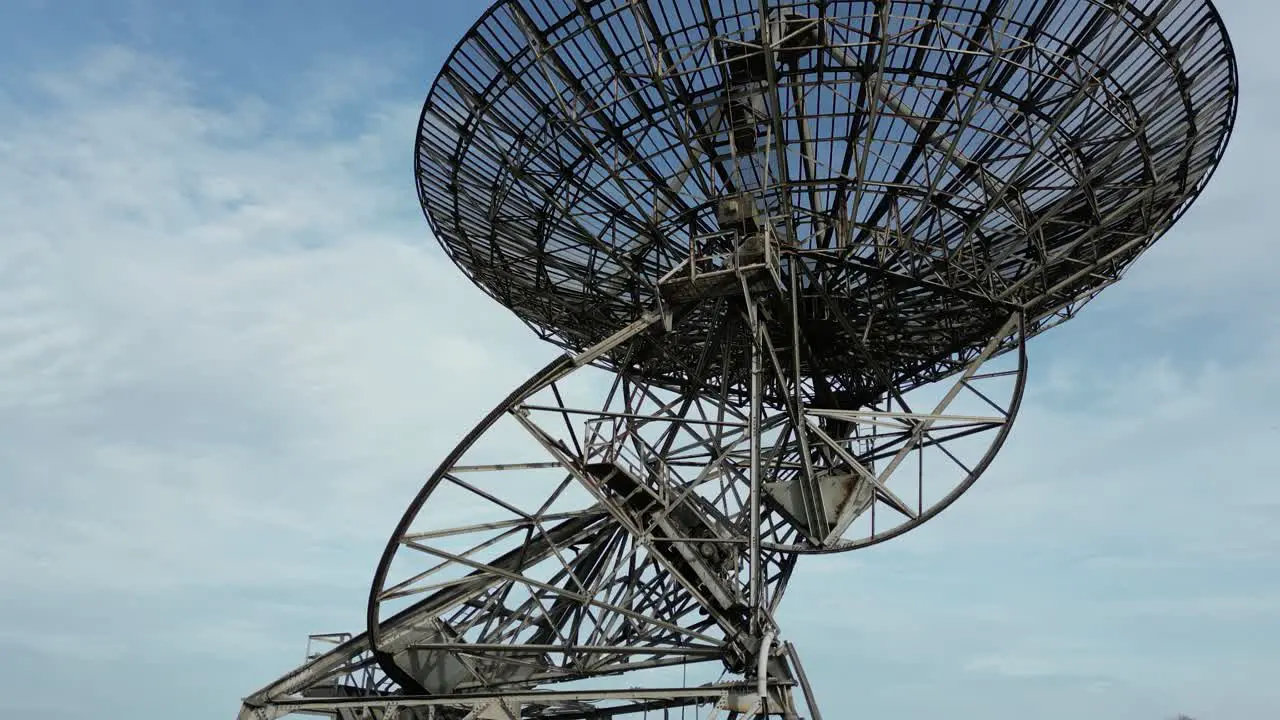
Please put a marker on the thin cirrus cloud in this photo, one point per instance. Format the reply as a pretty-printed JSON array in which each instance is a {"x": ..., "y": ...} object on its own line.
[
  {"x": 229, "y": 348},
  {"x": 221, "y": 352}
]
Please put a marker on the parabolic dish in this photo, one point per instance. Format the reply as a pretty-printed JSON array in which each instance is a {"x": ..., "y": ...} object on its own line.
[
  {"x": 925, "y": 166},
  {"x": 770, "y": 221}
]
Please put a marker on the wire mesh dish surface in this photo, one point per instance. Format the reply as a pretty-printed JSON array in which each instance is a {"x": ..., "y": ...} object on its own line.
[{"x": 919, "y": 166}]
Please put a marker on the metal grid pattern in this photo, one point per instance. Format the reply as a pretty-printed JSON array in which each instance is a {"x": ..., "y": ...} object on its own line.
[{"x": 924, "y": 164}]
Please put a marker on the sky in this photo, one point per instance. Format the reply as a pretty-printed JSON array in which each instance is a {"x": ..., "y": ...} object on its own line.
[{"x": 230, "y": 349}]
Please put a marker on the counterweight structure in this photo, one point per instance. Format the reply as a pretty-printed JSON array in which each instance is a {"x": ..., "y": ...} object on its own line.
[{"x": 793, "y": 252}]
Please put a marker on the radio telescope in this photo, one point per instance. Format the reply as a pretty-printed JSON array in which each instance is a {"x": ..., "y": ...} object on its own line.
[{"x": 793, "y": 253}]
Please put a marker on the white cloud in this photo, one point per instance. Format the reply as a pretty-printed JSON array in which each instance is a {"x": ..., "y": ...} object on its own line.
[
  {"x": 228, "y": 350},
  {"x": 227, "y": 353}
]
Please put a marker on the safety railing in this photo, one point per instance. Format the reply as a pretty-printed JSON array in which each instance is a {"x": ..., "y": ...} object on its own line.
[
  {"x": 612, "y": 440},
  {"x": 720, "y": 253}
]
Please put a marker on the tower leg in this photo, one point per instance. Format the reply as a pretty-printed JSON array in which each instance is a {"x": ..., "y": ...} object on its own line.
[{"x": 757, "y": 368}]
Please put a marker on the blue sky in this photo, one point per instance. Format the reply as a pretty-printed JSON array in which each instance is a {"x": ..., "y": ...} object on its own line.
[{"x": 229, "y": 348}]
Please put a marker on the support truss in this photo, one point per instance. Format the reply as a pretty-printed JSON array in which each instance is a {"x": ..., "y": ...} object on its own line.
[{"x": 797, "y": 249}]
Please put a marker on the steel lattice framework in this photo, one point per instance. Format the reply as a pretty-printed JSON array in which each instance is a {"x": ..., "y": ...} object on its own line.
[
  {"x": 929, "y": 159},
  {"x": 794, "y": 252}
]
